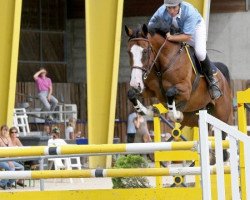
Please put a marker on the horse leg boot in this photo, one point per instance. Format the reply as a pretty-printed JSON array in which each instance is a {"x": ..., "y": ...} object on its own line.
[
  {"x": 173, "y": 114},
  {"x": 212, "y": 82},
  {"x": 141, "y": 109}
]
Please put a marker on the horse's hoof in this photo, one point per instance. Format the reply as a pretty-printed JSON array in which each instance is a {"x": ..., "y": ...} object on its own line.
[
  {"x": 180, "y": 117},
  {"x": 212, "y": 159},
  {"x": 174, "y": 118},
  {"x": 226, "y": 155},
  {"x": 171, "y": 116}
]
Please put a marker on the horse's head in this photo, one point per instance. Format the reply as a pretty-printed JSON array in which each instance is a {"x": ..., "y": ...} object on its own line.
[
  {"x": 140, "y": 55},
  {"x": 140, "y": 50}
]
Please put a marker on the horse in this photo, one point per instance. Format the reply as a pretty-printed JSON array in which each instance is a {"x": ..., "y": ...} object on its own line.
[{"x": 163, "y": 69}]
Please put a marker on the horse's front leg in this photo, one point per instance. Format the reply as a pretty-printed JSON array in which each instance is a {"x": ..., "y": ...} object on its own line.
[
  {"x": 173, "y": 114},
  {"x": 139, "y": 107}
]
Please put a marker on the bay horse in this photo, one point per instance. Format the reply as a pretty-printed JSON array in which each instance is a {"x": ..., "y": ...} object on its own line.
[{"x": 163, "y": 69}]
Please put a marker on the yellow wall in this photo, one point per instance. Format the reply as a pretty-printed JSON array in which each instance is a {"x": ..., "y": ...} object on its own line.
[
  {"x": 10, "y": 17},
  {"x": 198, "y": 4}
]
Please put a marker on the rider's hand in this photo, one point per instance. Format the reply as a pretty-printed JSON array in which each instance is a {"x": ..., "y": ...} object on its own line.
[
  {"x": 49, "y": 97},
  {"x": 169, "y": 36}
]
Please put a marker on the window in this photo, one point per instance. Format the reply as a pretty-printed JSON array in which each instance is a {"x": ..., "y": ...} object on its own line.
[{"x": 42, "y": 39}]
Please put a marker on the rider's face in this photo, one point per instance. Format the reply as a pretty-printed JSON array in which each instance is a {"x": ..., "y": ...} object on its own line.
[{"x": 173, "y": 10}]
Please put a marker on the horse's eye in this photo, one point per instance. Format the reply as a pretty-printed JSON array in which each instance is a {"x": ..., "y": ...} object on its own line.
[{"x": 144, "y": 52}]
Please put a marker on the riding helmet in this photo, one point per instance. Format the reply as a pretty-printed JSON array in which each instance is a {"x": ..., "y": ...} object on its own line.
[{"x": 170, "y": 3}]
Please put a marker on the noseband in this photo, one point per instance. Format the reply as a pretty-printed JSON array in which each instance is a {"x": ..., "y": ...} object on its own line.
[{"x": 149, "y": 66}]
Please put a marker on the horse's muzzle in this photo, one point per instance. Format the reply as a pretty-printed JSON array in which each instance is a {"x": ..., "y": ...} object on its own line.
[{"x": 138, "y": 89}]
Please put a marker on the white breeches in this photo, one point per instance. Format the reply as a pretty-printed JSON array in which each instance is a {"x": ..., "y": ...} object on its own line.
[{"x": 199, "y": 41}]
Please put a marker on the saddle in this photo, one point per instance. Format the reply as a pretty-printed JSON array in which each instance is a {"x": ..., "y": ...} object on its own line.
[{"x": 196, "y": 63}]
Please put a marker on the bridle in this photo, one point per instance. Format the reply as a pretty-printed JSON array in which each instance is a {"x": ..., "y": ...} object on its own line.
[{"x": 149, "y": 66}]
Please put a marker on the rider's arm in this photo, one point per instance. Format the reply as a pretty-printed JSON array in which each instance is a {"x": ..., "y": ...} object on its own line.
[
  {"x": 187, "y": 31},
  {"x": 179, "y": 38}
]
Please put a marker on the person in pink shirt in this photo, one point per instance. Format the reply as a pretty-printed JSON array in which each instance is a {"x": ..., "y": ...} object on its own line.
[{"x": 44, "y": 88}]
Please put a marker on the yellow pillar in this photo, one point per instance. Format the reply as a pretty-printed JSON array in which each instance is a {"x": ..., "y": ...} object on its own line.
[
  {"x": 103, "y": 37},
  {"x": 10, "y": 17},
  {"x": 199, "y": 5},
  {"x": 203, "y": 6},
  {"x": 243, "y": 97}
]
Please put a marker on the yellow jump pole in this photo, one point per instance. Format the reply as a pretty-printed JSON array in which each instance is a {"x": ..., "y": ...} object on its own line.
[
  {"x": 10, "y": 17},
  {"x": 102, "y": 149},
  {"x": 242, "y": 98},
  {"x": 99, "y": 173},
  {"x": 103, "y": 37}
]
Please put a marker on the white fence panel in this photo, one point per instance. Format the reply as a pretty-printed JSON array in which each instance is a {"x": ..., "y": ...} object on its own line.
[{"x": 234, "y": 136}]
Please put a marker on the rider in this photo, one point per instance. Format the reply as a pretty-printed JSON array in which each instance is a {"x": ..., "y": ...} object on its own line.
[{"x": 188, "y": 20}]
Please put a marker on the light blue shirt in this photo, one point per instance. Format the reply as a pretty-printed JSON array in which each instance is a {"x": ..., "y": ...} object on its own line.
[{"x": 187, "y": 19}]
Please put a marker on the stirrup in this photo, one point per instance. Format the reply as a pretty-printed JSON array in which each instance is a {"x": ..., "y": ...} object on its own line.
[{"x": 214, "y": 91}]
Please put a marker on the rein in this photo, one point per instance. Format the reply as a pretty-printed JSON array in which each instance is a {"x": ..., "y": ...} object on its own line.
[{"x": 145, "y": 76}]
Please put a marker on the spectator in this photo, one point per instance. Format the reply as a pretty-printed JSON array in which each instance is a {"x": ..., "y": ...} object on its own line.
[
  {"x": 69, "y": 133},
  {"x": 131, "y": 128},
  {"x": 142, "y": 133},
  {"x": 13, "y": 137},
  {"x": 5, "y": 183},
  {"x": 16, "y": 142},
  {"x": 45, "y": 89},
  {"x": 79, "y": 135},
  {"x": 56, "y": 140},
  {"x": 46, "y": 129},
  {"x": 5, "y": 141}
]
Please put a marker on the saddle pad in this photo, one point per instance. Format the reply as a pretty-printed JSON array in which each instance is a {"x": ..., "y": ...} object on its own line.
[{"x": 195, "y": 62}]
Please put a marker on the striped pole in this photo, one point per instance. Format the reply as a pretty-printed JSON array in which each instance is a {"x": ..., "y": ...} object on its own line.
[
  {"x": 103, "y": 148},
  {"x": 92, "y": 173}
]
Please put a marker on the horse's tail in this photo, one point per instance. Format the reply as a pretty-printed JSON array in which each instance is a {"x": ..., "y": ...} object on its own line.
[{"x": 224, "y": 70}]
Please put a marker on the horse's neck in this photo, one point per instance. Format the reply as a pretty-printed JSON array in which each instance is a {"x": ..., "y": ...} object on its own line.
[{"x": 169, "y": 49}]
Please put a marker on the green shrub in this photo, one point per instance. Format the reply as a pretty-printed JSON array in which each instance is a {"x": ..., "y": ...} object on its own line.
[{"x": 130, "y": 161}]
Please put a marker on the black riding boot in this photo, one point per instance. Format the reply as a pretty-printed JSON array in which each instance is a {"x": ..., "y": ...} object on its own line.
[{"x": 213, "y": 84}]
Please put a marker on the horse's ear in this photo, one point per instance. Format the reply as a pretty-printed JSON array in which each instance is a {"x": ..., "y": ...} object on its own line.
[
  {"x": 144, "y": 30},
  {"x": 129, "y": 31}
]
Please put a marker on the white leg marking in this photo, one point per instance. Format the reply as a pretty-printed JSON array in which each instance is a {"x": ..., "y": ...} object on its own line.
[{"x": 174, "y": 114}]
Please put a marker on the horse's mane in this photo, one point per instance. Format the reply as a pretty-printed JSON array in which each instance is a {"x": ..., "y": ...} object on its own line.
[{"x": 161, "y": 27}]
